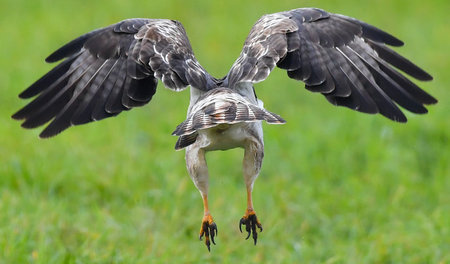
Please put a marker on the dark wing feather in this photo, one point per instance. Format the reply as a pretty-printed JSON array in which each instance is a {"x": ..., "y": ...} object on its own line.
[
  {"x": 344, "y": 59},
  {"x": 110, "y": 70}
]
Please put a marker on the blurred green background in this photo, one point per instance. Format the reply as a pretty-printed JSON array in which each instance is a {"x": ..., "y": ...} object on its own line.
[{"x": 336, "y": 186}]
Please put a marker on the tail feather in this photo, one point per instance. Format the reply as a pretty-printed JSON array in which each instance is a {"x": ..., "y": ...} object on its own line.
[
  {"x": 186, "y": 140},
  {"x": 224, "y": 106}
]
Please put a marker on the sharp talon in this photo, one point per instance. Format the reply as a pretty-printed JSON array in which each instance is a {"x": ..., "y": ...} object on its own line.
[
  {"x": 248, "y": 236},
  {"x": 212, "y": 235},
  {"x": 209, "y": 230},
  {"x": 251, "y": 223},
  {"x": 214, "y": 228},
  {"x": 241, "y": 222},
  {"x": 202, "y": 232}
]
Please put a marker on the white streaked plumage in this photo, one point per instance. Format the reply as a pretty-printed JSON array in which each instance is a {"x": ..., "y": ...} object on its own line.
[{"x": 116, "y": 68}]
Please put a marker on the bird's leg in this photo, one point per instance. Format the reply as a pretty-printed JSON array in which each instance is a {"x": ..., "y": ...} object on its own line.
[
  {"x": 251, "y": 166},
  {"x": 249, "y": 220},
  {"x": 198, "y": 170},
  {"x": 208, "y": 228}
]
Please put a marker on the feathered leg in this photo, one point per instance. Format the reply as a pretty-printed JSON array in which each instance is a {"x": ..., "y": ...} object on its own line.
[
  {"x": 198, "y": 170},
  {"x": 253, "y": 156}
]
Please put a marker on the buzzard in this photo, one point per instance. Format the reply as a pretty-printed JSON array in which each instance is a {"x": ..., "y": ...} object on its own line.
[{"x": 116, "y": 68}]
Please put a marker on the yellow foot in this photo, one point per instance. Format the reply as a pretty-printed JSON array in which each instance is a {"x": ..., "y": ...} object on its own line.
[
  {"x": 251, "y": 222},
  {"x": 209, "y": 230}
]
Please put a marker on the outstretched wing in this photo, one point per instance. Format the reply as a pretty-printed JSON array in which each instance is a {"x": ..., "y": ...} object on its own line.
[
  {"x": 110, "y": 70},
  {"x": 346, "y": 60}
]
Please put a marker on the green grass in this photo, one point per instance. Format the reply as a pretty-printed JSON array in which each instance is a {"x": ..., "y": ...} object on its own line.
[{"x": 336, "y": 186}]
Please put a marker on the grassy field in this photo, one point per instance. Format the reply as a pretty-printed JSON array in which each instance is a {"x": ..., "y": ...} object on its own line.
[{"x": 336, "y": 186}]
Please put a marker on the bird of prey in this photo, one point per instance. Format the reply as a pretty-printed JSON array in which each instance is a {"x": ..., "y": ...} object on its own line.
[{"x": 116, "y": 68}]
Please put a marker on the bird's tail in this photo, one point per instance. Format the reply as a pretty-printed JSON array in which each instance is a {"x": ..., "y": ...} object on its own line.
[{"x": 224, "y": 106}]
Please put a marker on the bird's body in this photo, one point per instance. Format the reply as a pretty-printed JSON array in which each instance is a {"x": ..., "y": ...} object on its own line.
[
  {"x": 116, "y": 68},
  {"x": 222, "y": 134},
  {"x": 222, "y": 119}
]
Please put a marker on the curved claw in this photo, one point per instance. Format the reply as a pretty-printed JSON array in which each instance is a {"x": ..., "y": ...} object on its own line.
[
  {"x": 209, "y": 230},
  {"x": 251, "y": 223},
  {"x": 213, "y": 232},
  {"x": 241, "y": 222}
]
